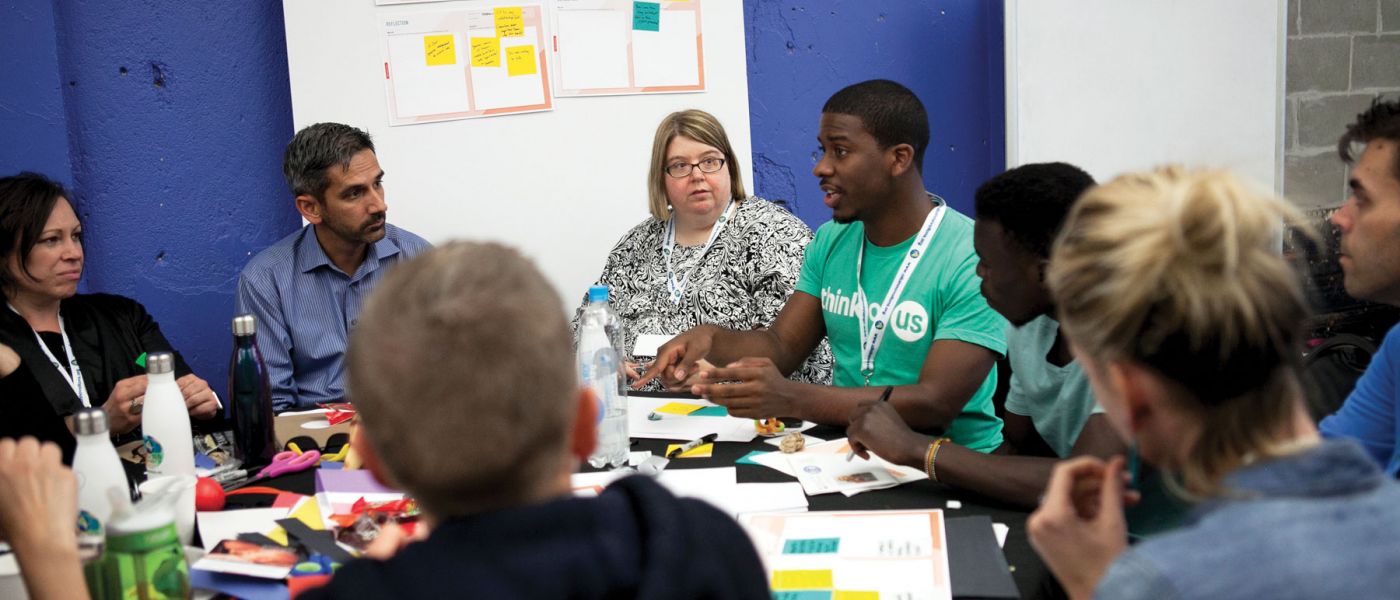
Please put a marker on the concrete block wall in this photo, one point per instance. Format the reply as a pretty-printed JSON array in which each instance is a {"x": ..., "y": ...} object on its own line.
[{"x": 1341, "y": 55}]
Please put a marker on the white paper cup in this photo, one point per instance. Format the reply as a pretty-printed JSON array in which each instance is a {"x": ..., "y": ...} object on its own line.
[{"x": 184, "y": 504}]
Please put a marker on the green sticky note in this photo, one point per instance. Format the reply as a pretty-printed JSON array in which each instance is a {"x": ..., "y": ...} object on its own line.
[
  {"x": 141, "y": 360},
  {"x": 748, "y": 458},
  {"x": 711, "y": 411},
  {"x": 646, "y": 16},
  {"x": 812, "y": 546}
]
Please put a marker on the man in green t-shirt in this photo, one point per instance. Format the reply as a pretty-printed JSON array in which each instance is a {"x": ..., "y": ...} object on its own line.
[{"x": 913, "y": 320}]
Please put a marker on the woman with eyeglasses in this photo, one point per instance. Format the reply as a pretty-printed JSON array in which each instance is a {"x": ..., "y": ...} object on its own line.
[
  {"x": 709, "y": 253},
  {"x": 1188, "y": 322}
]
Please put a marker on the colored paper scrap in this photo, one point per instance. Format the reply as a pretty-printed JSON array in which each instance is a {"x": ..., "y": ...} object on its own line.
[
  {"x": 811, "y": 546},
  {"x": 849, "y": 595},
  {"x": 748, "y": 458},
  {"x": 711, "y": 411},
  {"x": 510, "y": 22},
  {"x": 803, "y": 595},
  {"x": 703, "y": 451},
  {"x": 803, "y": 579},
  {"x": 520, "y": 60},
  {"x": 677, "y": 408},
  {"x": 486, "y": 52},
  {"x": 439, "y": 51},
  {"x": 646, "y": 16}
]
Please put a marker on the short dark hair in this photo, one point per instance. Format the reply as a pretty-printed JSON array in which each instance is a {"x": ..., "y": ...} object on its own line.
[
  {"x": 889, "y": 111},
  {"x": 1031, "y": 202},
  {"x": 26, "y": 201},
  {"x": 1380, "y": 122},
  {"x": 315, "y": 149}
]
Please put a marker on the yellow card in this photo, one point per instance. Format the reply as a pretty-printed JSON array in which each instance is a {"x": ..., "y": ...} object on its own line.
[
  {"x": 520, "y": 60},
  {"x": 306, "y": 511},
  {"x": 802, "y": 580},
  {"x": 486, "y": 52},
  {"x": 677, "y": 408},
  {"x": 439, "y": 51},
  {"x": 697, "y": 452},
  {"x": 509, "y": 22},
  {"x": 845, "y": 595}
]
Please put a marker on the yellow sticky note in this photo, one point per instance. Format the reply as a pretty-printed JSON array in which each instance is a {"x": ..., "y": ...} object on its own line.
[
  {"x": 439, "y": 50},
  {"x": 697, "y": 452},
  {"x": 520, "y": 60},
  {"x": 486, "y": 52},
  {"x": 677, "y": 408},
  {"x": 802, "y": 580},
  {"x": 306, "y": 511},
  {"x": 846, "y": 595},
  {"x": 510, "y": 22}
]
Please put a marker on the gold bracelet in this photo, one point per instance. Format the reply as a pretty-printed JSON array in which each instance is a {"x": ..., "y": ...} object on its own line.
[{"x": 931, "y": 460}]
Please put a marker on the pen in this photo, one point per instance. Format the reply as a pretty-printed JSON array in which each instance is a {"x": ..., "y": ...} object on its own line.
[
  {"x": 884, "y": 397},
  {"x": 692, "y": 444}
]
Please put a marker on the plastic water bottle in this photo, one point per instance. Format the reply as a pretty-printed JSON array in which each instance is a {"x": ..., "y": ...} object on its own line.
[
  {"x": 165, "y": 421},
  {"x": 99, "y": 471},
  {"x": 251, "y": 404},
  {"x": 600, "y": 368}
]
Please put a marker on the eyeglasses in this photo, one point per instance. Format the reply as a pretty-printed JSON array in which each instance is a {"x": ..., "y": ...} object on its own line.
[{"x": 709, "y": 165}]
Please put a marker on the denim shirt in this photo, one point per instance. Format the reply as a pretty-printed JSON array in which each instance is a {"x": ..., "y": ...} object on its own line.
[{"x": 1323, "y": 523}]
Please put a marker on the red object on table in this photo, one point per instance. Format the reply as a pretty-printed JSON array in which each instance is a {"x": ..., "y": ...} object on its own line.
[{"x": 208, "y": 495}]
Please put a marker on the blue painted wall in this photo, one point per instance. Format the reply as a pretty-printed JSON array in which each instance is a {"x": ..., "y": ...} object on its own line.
[
  {"x": 948, "y": 51},
  {"x": 168, "y": 120},
  {"x": 174, "y": 116}
]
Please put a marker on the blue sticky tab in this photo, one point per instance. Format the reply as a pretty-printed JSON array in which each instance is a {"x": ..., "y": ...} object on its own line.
[
  {"x": 812, "y": 546},
  {"x": 332, "y": 465},
  {"x": 748, "y": 458},
  {"x": 646, "y": 16},
  {"x": 803, "y": 595},
  {"x": 710, "y": 411}
]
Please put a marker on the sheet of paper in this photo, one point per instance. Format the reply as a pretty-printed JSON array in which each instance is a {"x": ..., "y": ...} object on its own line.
[
  {"x": 746, "y": 498},
  {"x": 338, "y": 490},
  {"x": 822, "y": 468},
  {"x": 1001, "y": 529},
  {"x": 216, "y": 526},
  {"x": 678, "y": 408},
  {"x": 504, "y": 88},
  {"x": 668, "y": 57},
  {"x": 648, "y": 343},
  {"x": 683, "y": 428},
  {"x": 593, "y": 54},
  {"x": 891, "y": 554},
  {"x": 419, "y": 87},
  {"x": 701, "y": 451}
]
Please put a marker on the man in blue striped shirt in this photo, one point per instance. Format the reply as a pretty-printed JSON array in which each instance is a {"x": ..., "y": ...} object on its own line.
[{"x": 306, "y": 290}]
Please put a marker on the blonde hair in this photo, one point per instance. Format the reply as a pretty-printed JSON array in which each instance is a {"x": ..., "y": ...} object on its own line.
[
  {"x": 461, "y": 367},
  {"x": 702, "y": 127},
  {"x": 1181, "y": 272}
]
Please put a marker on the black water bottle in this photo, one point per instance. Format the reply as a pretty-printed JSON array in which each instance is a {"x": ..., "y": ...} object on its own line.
[{"x": 251, "y": 404}]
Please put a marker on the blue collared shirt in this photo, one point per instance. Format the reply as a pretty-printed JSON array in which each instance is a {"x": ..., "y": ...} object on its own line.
[{"x": 305, "y": 308}]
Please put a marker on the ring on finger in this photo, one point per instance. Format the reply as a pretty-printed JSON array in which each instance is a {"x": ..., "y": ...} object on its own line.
[{"x": 136, "y": 405}]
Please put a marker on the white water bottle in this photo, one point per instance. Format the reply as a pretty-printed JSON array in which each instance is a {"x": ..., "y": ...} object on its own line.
[
  {"x": 165, "y": 421},
  {"x": 99, "y": 472},
  {"x": 600, "y": 369}
]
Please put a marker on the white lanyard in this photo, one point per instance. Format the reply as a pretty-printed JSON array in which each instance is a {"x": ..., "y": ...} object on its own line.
[
  {"x": 871, "y": 336},
  {"x": 74, "y": 374},
  {"x": 668, "y": 241}
]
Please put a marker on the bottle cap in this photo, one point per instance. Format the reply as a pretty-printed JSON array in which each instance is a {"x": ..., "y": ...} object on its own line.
[
  {"x": 158, "y": 363},
  {"x": 244, "y": 325},
  {"x": 89, "y": 421},
  {"x": 598, "y": 293}
]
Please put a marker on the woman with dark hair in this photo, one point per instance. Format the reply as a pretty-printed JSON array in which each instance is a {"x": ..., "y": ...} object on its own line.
[{"x": 82, "y": 349}]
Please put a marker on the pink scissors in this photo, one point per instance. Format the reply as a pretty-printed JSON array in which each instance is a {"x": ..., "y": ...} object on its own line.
[{"x": 283, "y": 463}]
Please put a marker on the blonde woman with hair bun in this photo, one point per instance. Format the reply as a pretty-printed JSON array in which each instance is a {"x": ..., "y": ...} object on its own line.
[{"x": 1188, "y": 321}]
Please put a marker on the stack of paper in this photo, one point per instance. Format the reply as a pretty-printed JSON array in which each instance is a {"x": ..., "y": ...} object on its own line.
[
  {"x": 717, "y": 486},
  {"x": 672, "y": 419},
  {"x": 338, "y": 490},
  {"x": 823, "y": 469}
]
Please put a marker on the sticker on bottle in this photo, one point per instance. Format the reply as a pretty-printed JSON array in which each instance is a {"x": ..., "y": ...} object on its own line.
[
  {"x": 155, "y": 454},
  {"x": 88, "y": 524}
]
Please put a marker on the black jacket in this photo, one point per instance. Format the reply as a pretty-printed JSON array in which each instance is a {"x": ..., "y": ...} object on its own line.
[
  {"x": 635, "y": 540},
  {"x": 24, "y": 412}
]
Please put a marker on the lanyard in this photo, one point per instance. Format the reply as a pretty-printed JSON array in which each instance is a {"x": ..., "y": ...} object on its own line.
[
  {"x": 74, "y": 374},
  {"x": 872, "y": 335},
  {"x": 668, "y": 241}
]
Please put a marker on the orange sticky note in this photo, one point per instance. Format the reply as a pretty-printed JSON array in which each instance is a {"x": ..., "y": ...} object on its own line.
[
  {"x": 520, "y": 60},
  {"x": 486, "y": 52},
  {"x": 510, "y": 22},
  {"x": 812, "y": 579},
  {"x": 439, "y": 51},
  {"x": 677, "y": 408},
  {"x": 697, "y": 452}
]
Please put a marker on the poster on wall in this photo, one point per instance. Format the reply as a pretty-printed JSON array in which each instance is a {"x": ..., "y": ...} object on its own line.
[
  {"x": 610, "y": 47},
  {"x": 466, "y": 63}
]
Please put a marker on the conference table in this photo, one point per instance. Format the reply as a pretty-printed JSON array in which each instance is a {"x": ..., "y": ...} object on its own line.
[{"x": 1032, "y": 578}]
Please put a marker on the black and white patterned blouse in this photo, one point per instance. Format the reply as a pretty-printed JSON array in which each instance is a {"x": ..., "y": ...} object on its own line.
[{"x": 741, "y": 283}]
